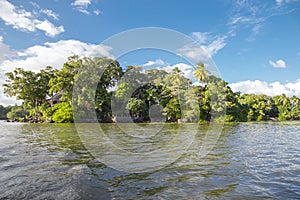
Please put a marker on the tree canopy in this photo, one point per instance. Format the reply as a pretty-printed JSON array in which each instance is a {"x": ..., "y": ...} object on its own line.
[{"x": 48, "y": 94}]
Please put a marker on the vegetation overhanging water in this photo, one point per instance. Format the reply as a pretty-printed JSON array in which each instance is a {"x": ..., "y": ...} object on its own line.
[{"x": 139, "y": 95}]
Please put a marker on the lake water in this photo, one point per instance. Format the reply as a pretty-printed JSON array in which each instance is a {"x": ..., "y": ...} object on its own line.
[{"x": 249, "y": 161}]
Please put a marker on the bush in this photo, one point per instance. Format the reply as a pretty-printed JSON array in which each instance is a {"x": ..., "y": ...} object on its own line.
[
  {"x": 39, "y": 112},
  {"x": 3, "y": 112},
  {"x": 62, "y": 113},
  {"x": 17, "y": 112}
]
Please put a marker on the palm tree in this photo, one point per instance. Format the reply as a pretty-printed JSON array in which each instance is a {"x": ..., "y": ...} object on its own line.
[
  {"x": 175, "y": 78},
  {"x": 200, "y": 72}
]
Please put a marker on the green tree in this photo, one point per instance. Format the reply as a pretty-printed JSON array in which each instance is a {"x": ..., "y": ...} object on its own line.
[
  {"x": 135, "y": 107},
  {"x": 63, "y": 80},
  {"x": 258, "y": 106},
  {"x": 3, "y": 112},
  {"x": 174, "y": 86},
  {"x": 200, "y": 72},
  {"x": 193, "y": 97},
  {"x": 96, "y": 77},
  {"x": 28, "y": 86},
  {"x": 172, "y": 110},
  {"x": 17, "y": 112},
  {"x": 284, "y": 106},
  {"x": 295, "y": 110}
]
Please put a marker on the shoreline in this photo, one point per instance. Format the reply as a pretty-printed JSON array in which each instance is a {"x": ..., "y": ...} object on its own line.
[{"x": 202, "y": 123}]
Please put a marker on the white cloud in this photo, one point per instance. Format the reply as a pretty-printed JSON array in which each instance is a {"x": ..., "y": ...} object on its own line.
[
  {"x": 83, "y": 7},
  {"x": 253, "y": 22},
  {"x": 39, "y": 56},
  {"x": 4, "y": 50},
  {"x": 201, "y": 37},
  {"x": 49, "y": 28},
  {"x": 50, "y": 13},
  {"x": 247, "y": 13},
  {"x": 154, "y": 63},
  {"x": 239, "y": 19},
  {"x": 253, "y": 14},
  {"x": 22, "y": 20},
  {"x": 83, "y": 10},
  {"x": 194, "y": 52},
  {"x": 81, "y": 2},
  {"x": 53, "y": 54},
  {"x": 210, "y": 46},
  {"x": 18, "y": 18},
  {"x": 278, "y": 64},
  {"x": 216, "y": 45},
  {"x": 281, "y": 2},
  {"x": 97, "y": 12},
  {"x": 270, "y": 89},
  {"x": 186, "y": 69}
]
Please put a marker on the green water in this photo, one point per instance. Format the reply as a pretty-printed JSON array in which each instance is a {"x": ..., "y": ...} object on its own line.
[{"x": 248, "y": 161}]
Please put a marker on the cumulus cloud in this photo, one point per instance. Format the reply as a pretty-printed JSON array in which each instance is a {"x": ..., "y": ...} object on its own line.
[
  {"x": 157, "y": 62},
  {"x": 278, "y": 64},
  {"x": 39, "y": 56},
  {"x": 270, "y": 89},
  {"x": 23, "y": 20},
  {"x": 4, "y": 54},
  {"x": 53, "y": 54},
  {"x": 18, "y": 18},
  {"x": 186, "y": 69},
  {"x": 49, "y": 28}
]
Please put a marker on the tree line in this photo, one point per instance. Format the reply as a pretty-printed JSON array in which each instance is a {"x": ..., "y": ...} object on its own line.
[{"x": 142, "y": 95}]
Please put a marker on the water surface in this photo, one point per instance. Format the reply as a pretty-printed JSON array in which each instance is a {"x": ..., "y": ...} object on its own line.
[{"x": 249, "y": 161}]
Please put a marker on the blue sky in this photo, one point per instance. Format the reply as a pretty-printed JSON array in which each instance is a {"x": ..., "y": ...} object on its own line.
[{"x": 255, "y": 44}]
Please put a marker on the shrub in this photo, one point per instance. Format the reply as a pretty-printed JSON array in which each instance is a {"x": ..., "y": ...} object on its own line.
[
  {"x": 62, "y": 113},
  {"x": 17, "y": 112}
]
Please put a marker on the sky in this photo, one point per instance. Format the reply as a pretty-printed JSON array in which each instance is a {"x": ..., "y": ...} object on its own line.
[{"x": 254, "y": 44}]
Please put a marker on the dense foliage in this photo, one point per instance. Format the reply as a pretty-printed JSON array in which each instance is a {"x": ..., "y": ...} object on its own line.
[
  {"x": 17, "y": 112},
  {"x": 3, "y": 112},
  {"x": 143, "y": 95}
]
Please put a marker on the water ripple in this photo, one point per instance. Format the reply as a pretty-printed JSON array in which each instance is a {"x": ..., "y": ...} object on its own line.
[{"x": 250, "y": 161}]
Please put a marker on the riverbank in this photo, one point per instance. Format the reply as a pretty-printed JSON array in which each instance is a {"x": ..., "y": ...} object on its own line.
[
  {"x": 35, "y": 120},
  {"x": 28, "y": 120}
]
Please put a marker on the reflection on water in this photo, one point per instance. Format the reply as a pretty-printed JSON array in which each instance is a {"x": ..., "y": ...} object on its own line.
[{"x": 252, "y": 161}]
